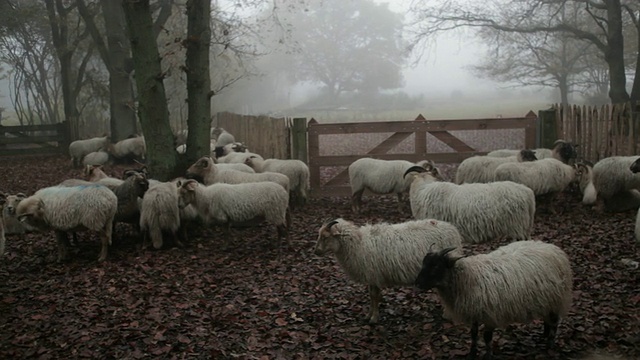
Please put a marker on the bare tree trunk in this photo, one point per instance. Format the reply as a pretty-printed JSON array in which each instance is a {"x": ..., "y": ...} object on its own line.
[
  {"x": 152, "y": 102},
  {"x": 123, "y": 114},
  {"x": 198, "y": 79},
  {"x": 60, "y": 35},
  {"x": 614, "y": 55}
]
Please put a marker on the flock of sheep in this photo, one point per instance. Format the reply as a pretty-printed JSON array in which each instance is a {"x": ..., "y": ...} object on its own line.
[{"x": 493, "y": 197}]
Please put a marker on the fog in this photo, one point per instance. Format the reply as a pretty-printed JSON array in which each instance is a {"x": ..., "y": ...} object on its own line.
[{"x": 441, "y": 77}]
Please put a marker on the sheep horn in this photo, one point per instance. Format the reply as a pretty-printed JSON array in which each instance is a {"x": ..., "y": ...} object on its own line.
[
  {"x": 419, "y": 169},
  {"x": 331, "y": 223},
  {"x": 446, "y": 251}
]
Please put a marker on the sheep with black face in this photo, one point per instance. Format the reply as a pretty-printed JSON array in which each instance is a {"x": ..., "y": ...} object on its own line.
[{"x": 515, "y": 283}]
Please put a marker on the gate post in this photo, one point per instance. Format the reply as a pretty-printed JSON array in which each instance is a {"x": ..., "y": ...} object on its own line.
[
  {"x": 547, "y": 128},
  {"x": 299, "y": 139}
]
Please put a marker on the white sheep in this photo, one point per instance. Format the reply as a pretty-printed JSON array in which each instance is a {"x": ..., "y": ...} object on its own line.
[
  {"x": 238, "y": 147},
  {"x": 547, "y": 176},
  {"x": 482, "y": 169},
  {"x": 222, "y": 136},
  {"x": 97, "y": 175},
  {"x": 384, "y": 255},
  {"x": 132, "y": 148},
  {"x": 617, "y": 182},
  {"x": 182, "y": 149},
  {"x": 237, "y": 203},
  {"x": 11, "y": 224},
  {"x": 70, "y": 209},
  {"x": 297, "y": 172},
  {"x": 235, "y": 166},
  {"x": 379, "y": 177},
  {"x": 80, "y": 148},
  {"x": 237, "y": 157},
  {"x": 206, "y": 171},
  {"x": 561, "y": 150},
  {"x": 96, "y": 158},
  {"x": 481, "y": 212},
  {"x": 516, "y": 283},
  {"x": 160, "y": 213}
]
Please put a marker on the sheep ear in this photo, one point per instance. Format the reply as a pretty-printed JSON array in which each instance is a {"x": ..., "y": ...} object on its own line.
[
  {"x": 40, "y": 204},
  {"x": 3, "y": 198},
  {"x": 179, "y": 184},
  {"x": 21, "y": 196},
  {"x": 190, "y": 185}
]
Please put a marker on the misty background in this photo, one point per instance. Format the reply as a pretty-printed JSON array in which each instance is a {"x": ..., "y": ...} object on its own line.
[{"x": 265, "y": 57}]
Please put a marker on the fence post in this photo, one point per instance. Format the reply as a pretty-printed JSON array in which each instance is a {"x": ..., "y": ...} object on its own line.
[
  {"x": 530, "y": 130},
  {"x": 547, "y": 128},
  {"x": 314, "y": 153},
  {"x": 299, "y": 139},
  {"x": 64, "y": 136},
  {"x": 420, "y": 138}
]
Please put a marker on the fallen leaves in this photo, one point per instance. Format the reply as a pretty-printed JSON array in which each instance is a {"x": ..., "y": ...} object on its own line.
[{"x": 255, "y": 302}]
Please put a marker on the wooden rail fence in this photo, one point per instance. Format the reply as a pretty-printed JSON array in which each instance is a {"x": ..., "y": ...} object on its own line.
[
  {"x": 440, "y": 129},
  {"x": 34, "y": 139}
]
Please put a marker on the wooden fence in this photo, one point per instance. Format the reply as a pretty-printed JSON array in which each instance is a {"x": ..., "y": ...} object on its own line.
[
  {"x": 402, "y": 130},
  {"x": 263, "y": 135},
  {"x": 600, "y": 131},
  {"x": 34, "y": 139}
]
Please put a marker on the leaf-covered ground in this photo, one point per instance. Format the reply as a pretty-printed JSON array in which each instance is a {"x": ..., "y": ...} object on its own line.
[{"x": 256, "y": 301}]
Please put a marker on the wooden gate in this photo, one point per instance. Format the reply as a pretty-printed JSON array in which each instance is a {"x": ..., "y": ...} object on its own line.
[{"x": 402, "y": 130}]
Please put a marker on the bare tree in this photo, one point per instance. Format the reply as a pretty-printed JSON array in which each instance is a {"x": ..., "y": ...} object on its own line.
[
  {"x": 601, "y": 23},
  {"x": 198, "y": 78},
  {"x": 152, "y": 102}
]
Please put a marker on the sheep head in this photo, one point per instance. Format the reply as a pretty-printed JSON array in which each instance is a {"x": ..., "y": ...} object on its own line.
[
  {"x": 94, "y": 173},
  {"x": 200, "y": 169},
  {"x": 12, "y": 201},
  {"x": 186, "y": 192},
  {"x": 30, "y": 211},
  {"x": 328, "y": 237},
  {"x": 138, "y": 180},
  {"x": 527, "y": 155},
  {"x": 564, "y": 151},
  {"x": 635, "y": 166},
  {"x": 436, "y": 267}
]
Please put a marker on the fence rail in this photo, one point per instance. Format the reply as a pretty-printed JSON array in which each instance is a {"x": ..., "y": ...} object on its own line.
[{"x": 34, "y": 139}]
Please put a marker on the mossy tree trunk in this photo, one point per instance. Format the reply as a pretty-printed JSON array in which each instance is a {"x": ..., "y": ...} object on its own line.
[
  {"x": 198, "y": 79},
  {"x": 152, "y": 103}
]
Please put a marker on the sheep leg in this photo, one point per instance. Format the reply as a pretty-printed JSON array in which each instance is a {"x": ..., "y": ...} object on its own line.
[
  {"x": 550, "y": 329},
  {"x": 176, "y": 239},
  {"x": 106, "y": 235},
  {"x": 474, "y": 341},
  {"x": 400, "y": 203},
  {"x": 63, "y": 245},
  {"x": 356, "y": 201},
  {"x": 376, "y": 297},
  {"x": 488, "y": 340}
]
